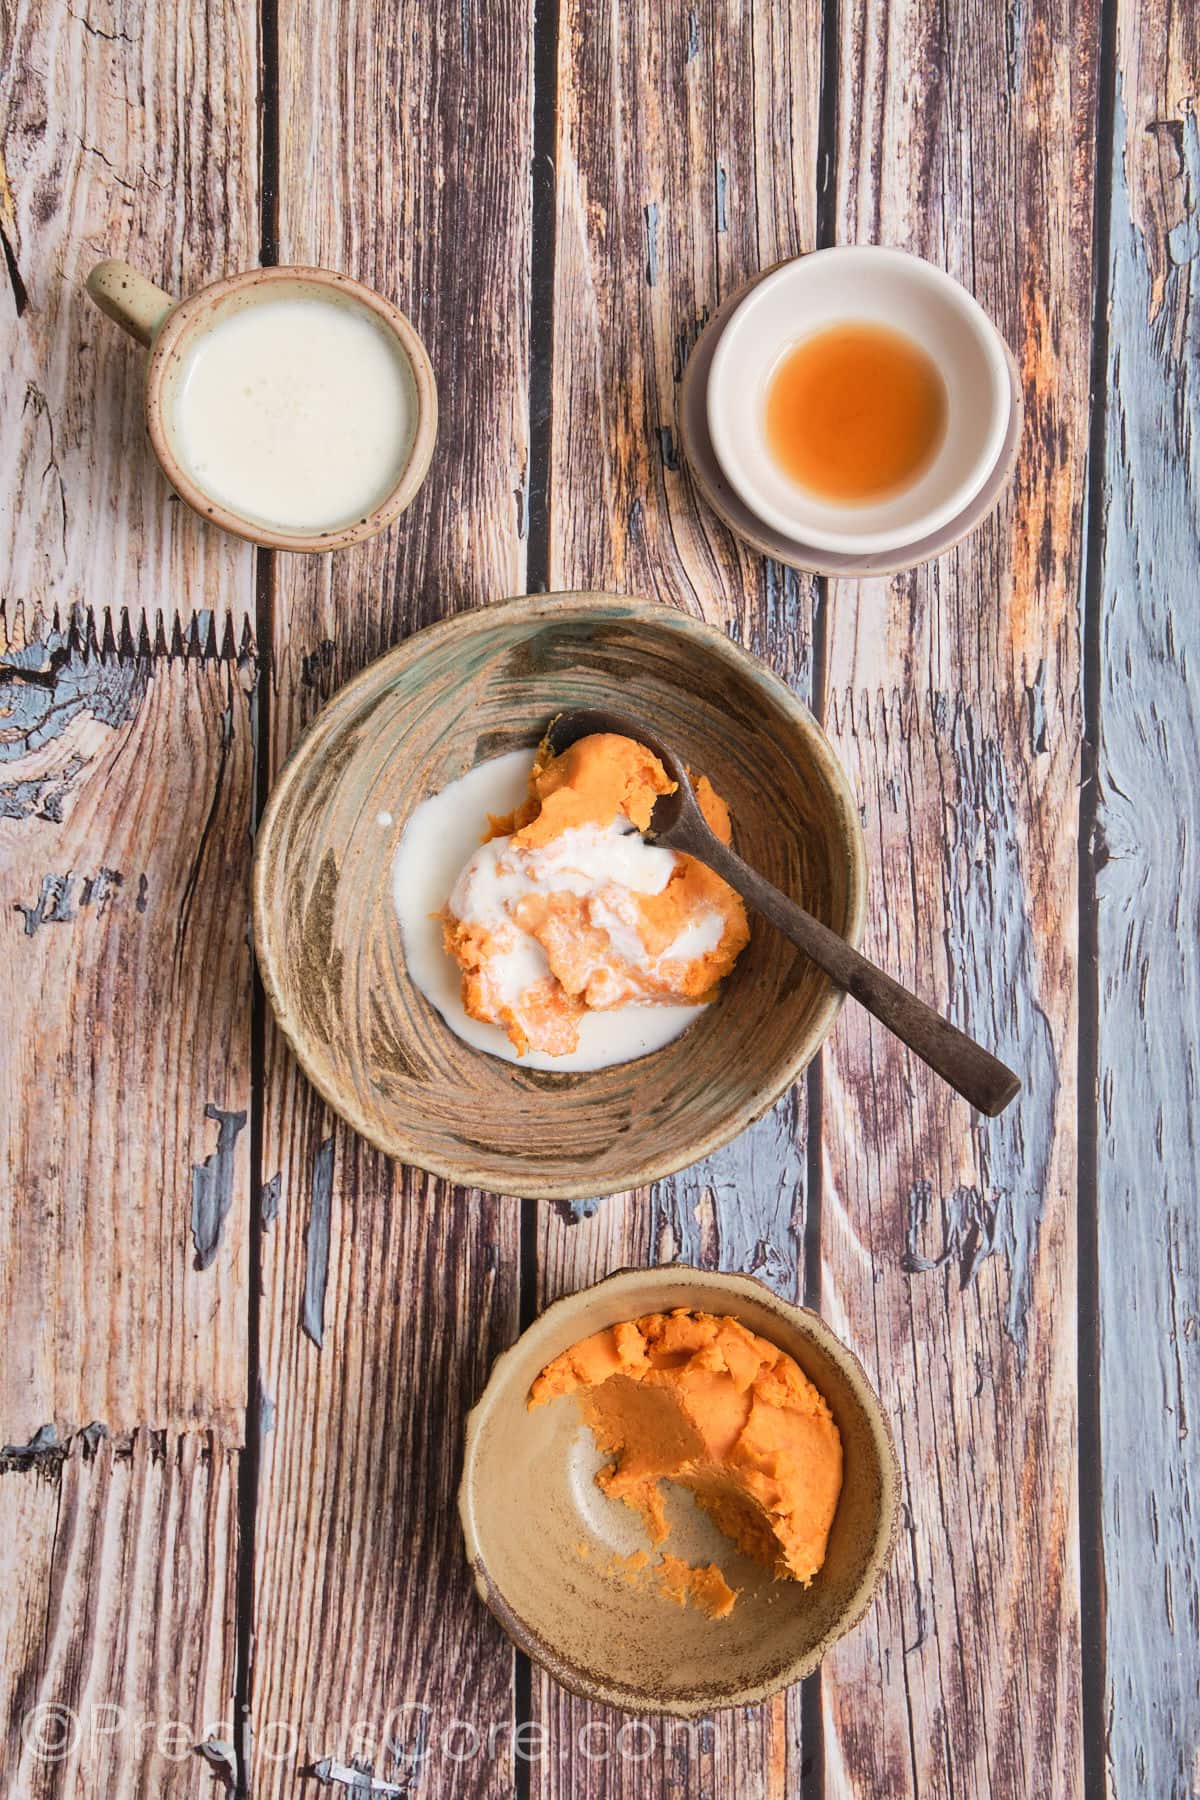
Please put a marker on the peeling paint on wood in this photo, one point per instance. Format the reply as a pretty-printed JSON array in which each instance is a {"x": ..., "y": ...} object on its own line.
[
  {"x": 571, "y": 1211},
  {"x": 359, "y": 1777},
  {"x": 743, "y": 1207},
  {"x": 212, "y": 1186},
  {"x": 268, "y": 1200},
  {"x": 316, "y": 1244},
  {"x": 43, "y": 796},
  {"x": 221, "y": 1757},
  {"x": 996, "y": 998},
  {"x": 48, "y": 684},
  {"x": 46, "y": 1452},
  {"x": 43, "y": 1451},
  {"x": 55, "y": 904},
  {"x": 1035, "y": 699}
]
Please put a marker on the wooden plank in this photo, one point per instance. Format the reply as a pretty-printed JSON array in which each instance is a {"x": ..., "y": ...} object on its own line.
[
  {"x": 368, "y": 1634},
  {"x": 126, "y": 667},
  {"x": 686, "y": 160},
  {"x": 126, "y": 989},
  {"x": 948, "y": 1242},
  {"x": 118, "y": 1574},
  {"x": 1147, "y": 882}
]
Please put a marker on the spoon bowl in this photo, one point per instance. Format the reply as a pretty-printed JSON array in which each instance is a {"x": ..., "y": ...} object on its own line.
[{"x": 669, "y": 809}]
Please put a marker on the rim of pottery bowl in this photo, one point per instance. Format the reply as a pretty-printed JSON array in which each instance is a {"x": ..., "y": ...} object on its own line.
[
  {"x": 189, "y": 312},
  {"x": 463, "y": 1173},
  {"x": 582, "y": 1682}
]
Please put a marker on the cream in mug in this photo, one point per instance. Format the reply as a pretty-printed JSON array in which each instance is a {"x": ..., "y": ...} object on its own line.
[{"x": 297, "y": 412}]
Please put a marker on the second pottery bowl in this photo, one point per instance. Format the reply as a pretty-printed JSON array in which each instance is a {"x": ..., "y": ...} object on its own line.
[
  {"x": 479, "y": 684},
  {"x": 542, "y": 1539}
]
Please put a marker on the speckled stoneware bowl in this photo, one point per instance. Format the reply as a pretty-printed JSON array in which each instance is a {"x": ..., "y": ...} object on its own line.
[
  {"x": 541, "y": 1537},
  {"x": 329, "y": 946}
]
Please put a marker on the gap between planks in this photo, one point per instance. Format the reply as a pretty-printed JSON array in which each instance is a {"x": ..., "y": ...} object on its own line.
[
  {"x": 542, "y": 248},
  {"x": 1093, "y": 1656},
  {"x": 265, "y": 567}
]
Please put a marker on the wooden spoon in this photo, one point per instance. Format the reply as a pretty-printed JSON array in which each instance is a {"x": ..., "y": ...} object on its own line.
[{"x": 678, "y": 823}]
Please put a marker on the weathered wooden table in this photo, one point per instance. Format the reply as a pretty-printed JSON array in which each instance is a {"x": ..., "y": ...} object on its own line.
[{"x": 222, "y": 1521}]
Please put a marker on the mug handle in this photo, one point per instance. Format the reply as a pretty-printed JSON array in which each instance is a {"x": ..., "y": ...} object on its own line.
[{"x": 135, "y": 303}]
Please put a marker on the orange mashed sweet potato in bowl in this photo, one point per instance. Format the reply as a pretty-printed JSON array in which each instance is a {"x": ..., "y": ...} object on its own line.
[
  {"x": 678, "y": 1490},
  {"x": 701, "y": 1401}
]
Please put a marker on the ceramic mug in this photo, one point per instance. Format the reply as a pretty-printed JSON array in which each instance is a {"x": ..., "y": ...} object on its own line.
[
  {"x": 172, "y": 329},
  {"x": 879, "y": 286}
]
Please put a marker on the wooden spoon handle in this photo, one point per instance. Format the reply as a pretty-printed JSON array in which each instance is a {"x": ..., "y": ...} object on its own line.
[{"x": 973, "y": 1071}]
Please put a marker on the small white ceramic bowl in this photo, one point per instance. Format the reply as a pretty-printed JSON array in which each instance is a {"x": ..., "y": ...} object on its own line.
[{"x": 860, "y": 283}]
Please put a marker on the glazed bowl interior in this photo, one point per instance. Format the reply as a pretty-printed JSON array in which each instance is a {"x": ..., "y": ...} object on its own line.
[
  {"x": 542, "y": 1538},
  {"x": 490, "y": 681}
]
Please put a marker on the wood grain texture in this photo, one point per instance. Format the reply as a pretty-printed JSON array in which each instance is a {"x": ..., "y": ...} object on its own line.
[
  {"x": 686, "y": 160},
  {"x": 125, "y": 744},
  {"x": 118, "y": 1573},
  {"x": 127, "y": 667},
  {"x": 1147, "y": 879},
  {"x": 948, "y": 1242},
  {"x": 104, "y": 152},
  {"x": 368, "y": 1638},
  {"x": 125, "y": 986}
]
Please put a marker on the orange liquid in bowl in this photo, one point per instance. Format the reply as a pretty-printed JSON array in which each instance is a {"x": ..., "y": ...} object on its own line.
[{"x": 855, "y": 412}]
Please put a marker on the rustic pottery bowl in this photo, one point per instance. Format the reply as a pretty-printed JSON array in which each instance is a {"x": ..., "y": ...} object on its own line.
[
  {"x": 329, "y": 945},
  {"x": 541, "y": 1537}
]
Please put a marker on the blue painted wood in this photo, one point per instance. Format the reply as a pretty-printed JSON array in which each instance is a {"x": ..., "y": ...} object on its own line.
[{"x": 1147, "y": 860}]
